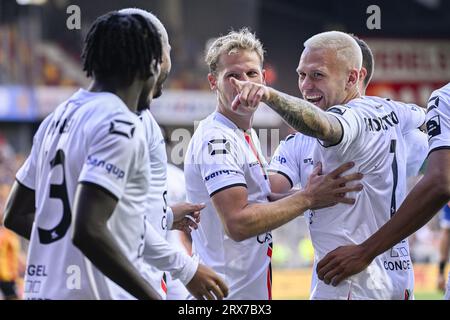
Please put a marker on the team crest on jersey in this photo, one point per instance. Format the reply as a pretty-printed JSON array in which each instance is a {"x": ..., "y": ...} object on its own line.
[
  {"x": 122, "y": 128},
  {"x": 434, "y": 127},
  {"x": 338, "y": 110},
  {"x": 219, "y": 146}
]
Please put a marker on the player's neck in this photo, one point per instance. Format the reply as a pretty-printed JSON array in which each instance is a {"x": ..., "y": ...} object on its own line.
[
  {"x": 351, "y": 95},
  {"x": 242, "y": 122},
  {"x": 129, "y": 95}
]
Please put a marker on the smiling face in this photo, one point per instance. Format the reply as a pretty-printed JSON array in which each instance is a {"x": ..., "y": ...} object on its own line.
[
  {"x": 244, "y": 65},
  {"x": 322, "y": 80}
]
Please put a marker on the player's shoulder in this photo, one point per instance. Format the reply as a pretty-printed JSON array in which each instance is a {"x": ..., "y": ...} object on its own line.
[
  {"x": 440, "y": 98},
  {"x": 212, "y": 129},
  {"x": 443, "y": 91},
  {"x": 394, "y": 105},
  {"x": 297, "y": 139},
  {"x": 107, "y": 112}
]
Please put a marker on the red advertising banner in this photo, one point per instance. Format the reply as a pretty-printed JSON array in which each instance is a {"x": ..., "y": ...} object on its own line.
[{"x": 409, "y": 70}]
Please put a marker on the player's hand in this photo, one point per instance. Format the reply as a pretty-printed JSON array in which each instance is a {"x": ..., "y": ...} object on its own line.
[
  {"x": 250, "y": 94},
  {"x": 441, "y": 283},
  {"x": 207, "y": 285},
  {"x": 342, "y": 263},
  {"x": 186, "y": 216},
  {"x": 327, "y": 190}
]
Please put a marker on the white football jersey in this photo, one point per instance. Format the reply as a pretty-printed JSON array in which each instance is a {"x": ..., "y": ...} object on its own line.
[
  {"x": 219, "y": 157},
  {"x": 438, "y": 128},
  {"x": 95, "y": 138},
  {"x": 372, "y": 124},
  {"x": 157, "y": 216},
  {"x": 176, "y": 193},
  {"x": 438, "y": 119},
  {"x": 415, "y": 140}
]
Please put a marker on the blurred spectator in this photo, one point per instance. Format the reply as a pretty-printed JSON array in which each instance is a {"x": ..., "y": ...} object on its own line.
[{"x": 10, "y": 262}]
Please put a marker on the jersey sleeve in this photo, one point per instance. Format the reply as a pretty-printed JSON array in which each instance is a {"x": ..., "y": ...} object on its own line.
[
  {"x": 26, "y": 175},
  {"x": 113, "y": 151},
  {"x": 438, "y": 122},
  {"x": 351, "y": 124},
  {"x": 221, "y": 162},
  {"x": 417, "y": 148},
  {"x": 284, "y": 161},
  {"x": 411, "y": 116}
]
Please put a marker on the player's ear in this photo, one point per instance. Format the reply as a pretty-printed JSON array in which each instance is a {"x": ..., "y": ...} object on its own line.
[
  {"x": 155, "y": 68},
  {"x": 212, "y": 81},
  {"x": 352, "y": 79},
  {"x": 362, "y": 74}
]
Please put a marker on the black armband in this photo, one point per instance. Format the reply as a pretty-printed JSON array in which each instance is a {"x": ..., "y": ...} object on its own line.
[{"x": 442, "y": 267}]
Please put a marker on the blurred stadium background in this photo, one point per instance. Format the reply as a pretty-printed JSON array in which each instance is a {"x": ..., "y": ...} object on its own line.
[{"x": 40, "y": 67}]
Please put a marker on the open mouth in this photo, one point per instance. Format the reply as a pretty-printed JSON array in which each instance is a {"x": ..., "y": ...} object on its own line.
[{"x": 314, "y": 99}]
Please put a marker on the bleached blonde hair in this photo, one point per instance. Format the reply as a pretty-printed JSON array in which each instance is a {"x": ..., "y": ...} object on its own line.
[
  {"x": 346, "y": 48},
  {"x": 230, "y": 44}
]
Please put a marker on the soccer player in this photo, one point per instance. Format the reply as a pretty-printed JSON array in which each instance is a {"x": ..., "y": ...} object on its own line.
[
  {"x": 80, "y": 197},
  {"x": 430, "y": 194},
  {"x": 416, "y": 141},
  {"x": 226, "y": 170},
  {"x": 176, "y": 193},
  {"x": 160, "y": 256},
  {"x": 357, "y": 129},
  {"x": 292, "y": 160}
]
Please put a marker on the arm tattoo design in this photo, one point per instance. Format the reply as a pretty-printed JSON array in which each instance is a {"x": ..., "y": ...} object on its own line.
[{"x": 306, "y": 117}]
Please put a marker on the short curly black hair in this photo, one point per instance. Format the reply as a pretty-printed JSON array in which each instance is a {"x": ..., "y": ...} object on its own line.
[{"x": 122, "y": 46}]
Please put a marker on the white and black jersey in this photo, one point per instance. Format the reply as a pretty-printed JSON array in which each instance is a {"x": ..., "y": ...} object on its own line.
[
  {"x": 93, "y": 138},
  {"x": 159, "y": 254},
  {"x": 374, "y": 139},
  {"x": 221, "y": 156},
  {"x": 157, "y": 196}
]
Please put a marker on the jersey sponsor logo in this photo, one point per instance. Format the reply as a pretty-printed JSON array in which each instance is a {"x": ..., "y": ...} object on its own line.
[
  {"x": 252, "y": 164},
  {"x": 219, "y": 173},
  {"x": 308, "y": 160},
  {"x": 32, "y": 286},
  {"x": 37, "y": 270},
  {"x": 433, "y": 103},
  {"x": 381, "y": 123},
  {"x": 109, "y": 167},
  {"x": 279, "y": 159},
  {"x": 122, "y": 128},
  {"x": 396, "y": 265},
  {"x": 337, "y": 110},
  {"x": 434, "y": 126},
  {"x": 219, "y": 146},
  {"x": 263, "y": 238}
]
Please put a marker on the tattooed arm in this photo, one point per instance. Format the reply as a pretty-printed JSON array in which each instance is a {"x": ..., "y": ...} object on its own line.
[
  {"x": 305, "y": 117},
  {"x": 298, "y": 113}
]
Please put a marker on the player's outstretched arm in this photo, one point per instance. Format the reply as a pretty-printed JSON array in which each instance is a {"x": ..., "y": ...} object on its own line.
[
  {"x": 242, "y": 220},
  {"x": 20, "y": 210},
  {"x": 93, "y": 206},
  {"x": 425, "y": 199},
  {"x": 302, "y": 115}
]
